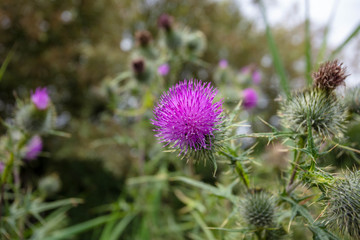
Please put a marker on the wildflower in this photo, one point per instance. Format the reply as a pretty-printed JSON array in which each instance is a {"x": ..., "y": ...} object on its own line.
[
  {"x": 41, "y": 98},
  {"x": 165, "y": 21},
  {"x": 33, "y": 148},
  {"x": 138, "y": 66},
  {"x": 330, "y": 75},
  {"x": 250, "y": 98},
  {"x": 164, "y": 69},
  {"x": 187, "y": 118},
  {"x": 324, "y": 111},
  {"x": 143, "y": 38},
  {"x": 223, "y": 63},
  {"x": 256, "y": 76},
  {"x": 343, "y": 211}
]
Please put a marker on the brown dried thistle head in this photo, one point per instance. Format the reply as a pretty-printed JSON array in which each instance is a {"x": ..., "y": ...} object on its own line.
[
  {"x": 143, "y": 38},
  {"x": 330, "y": 75},
  {"x": 138, "y": 66}
]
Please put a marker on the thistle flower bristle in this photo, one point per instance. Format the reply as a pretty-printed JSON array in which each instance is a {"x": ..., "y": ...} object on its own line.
[
  {"x": 326, "y": 113},
  {"x": 143, "y": 38},
  {"x": 258, "y": 209},
  {"x": 188, "y": 119},
  {"x": 33, "y": 148},
  {"x": 330, "y": 75},
  {"x": 343, "y": 211}
]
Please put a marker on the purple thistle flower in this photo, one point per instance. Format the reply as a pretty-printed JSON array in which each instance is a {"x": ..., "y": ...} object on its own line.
[
  {"x": 186, "y": 116},
  {"x": 223, "y": 63},
  {"x": 33, "y": 148},
  {"x": 250, "y": 98},
  {"x": 163, "y": 69},
  {"x": 40, "y": 98},
  {"x": 256, "y": 76}
]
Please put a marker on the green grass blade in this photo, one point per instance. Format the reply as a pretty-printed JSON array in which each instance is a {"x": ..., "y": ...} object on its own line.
[
  {"x": 203, "y": 225},
  {"x": 81, "y": 227},
  {"x": 278, "y": 64},
  {"x": 346, "y": 41},
  {"x": 6, "y": 63},
  {"x": 308, "y": 44},
  {"x": 121, "y": 226}
]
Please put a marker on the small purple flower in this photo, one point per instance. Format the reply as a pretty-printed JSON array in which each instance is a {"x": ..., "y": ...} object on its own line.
[
  {"x": 250, "y": 98},
  {"x": 40, "y": 98},
  {"x": 163, "y": 69},
  {"x": 246, "y": 69},
  {"x": 186, "y": 116},
  {"x": 223, "y": 63},
  {"x": 33, "y": 148},
  {"x": 2, "y": 167},
  {"x": 256, "y": 76}
]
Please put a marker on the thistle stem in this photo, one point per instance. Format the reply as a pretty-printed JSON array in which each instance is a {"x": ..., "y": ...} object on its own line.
[{"x": 297, "y": 156}]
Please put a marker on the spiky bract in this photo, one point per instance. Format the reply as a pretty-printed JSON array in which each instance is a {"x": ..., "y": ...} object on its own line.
[
  {"x": 330, "y": 75},
  {"x": 258, "y": 209},
  {"x": 352, "y": 99},
  {"x": 326, "y": 113},
  {"x": 188, "y": 119},
  {"x": 343, "y": 211}
]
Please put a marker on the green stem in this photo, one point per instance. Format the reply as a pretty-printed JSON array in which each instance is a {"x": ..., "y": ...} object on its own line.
[
  {"x": 295, "y": 168},
  {"x": 240, "y": 171}
]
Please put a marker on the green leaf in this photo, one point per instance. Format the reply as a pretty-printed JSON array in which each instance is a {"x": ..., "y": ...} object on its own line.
[
  {"x": 5, "y": 63},
  {"x": 308, "y": 44}
]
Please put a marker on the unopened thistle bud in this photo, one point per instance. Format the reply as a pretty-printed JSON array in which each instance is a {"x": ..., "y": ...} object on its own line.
[
  {"x": 326, "y": 113},
  {"x": 343, "y": 210},
  {"x": 195, "y": 43},
  {"x": 143, "y": 38},
  {"x": 188, "y": 120},
  {"x": 165, "y": 21},
  {"x": 258, "y": 209},
  {"x": 330, "y": 75}
]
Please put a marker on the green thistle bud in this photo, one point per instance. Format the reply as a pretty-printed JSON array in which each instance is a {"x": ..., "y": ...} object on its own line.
[
  {"x": 195, "y": 43},
  {"x": 343, "y": 211},
  {"x": 258, "y": 209},
  {"x": 330, "y": 75},
  {"x": 276, "y": 234},
  {"x": 326, "y": 113},
  {"x": 36, "y": 121},
  {"x": 49, "y": 185}
]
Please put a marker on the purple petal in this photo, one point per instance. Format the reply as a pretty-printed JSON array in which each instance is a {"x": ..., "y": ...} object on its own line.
[
  {"x": 41, "y": 98},
  {"x": 250, "y": 98}
]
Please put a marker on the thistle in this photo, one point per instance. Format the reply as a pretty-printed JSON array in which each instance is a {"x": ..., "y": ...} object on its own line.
[
  {"x": 326, "y": 113},
  {"x": 258, "y": 209},
  {"x": 250, "y": 98},
  {"x": 343, "y": 211},
  {"x": 352, "y": 100},
  {"x": 330, "y": 75},
  {"x": 187, "y": 119},
  {"x": 142, "y": 72},
  {"x": 33, "y": 148},
  {"x": 143, "y": 38},
  {"x": 39, "y": 116}
]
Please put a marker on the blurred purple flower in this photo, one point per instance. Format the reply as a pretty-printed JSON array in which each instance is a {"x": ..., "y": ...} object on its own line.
[
  {"x": 223, "y": 63},
  {"x": 256, "y": 76},
  {"x": 165, "y": 21},
  {"x": 246, "y": 69},
  {"x": 40, "y": 98},
  {"x": 164, "y": 69},
  {"x": 186, "y": 115},
  {"x": 33, "y": 148},
  {"x": 2, "y": 167},
  {"x": 250, "y": 98}
]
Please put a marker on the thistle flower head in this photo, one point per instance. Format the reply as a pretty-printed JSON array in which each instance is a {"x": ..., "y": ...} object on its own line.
[
  {"x": 250, "y": 98},
  {"x": 223, "y": 63},
  {"x": 326, "y": 113},
  {"x": 258, "y": 209},
  {"x": 143, "y": 38},
  {"x": 330, "y": 75},
  {"x": 163, "y": 69},
  {"x": 138, "y": 66},
  {"x": 343, "y": 211},
  {"x": 33, "y": 148},
  {"x": 256, "y": 76},
  {"x": 165, "y": 21},
  {"x": 187, "y": 117},
  {"x": 41, "y": 98}
]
